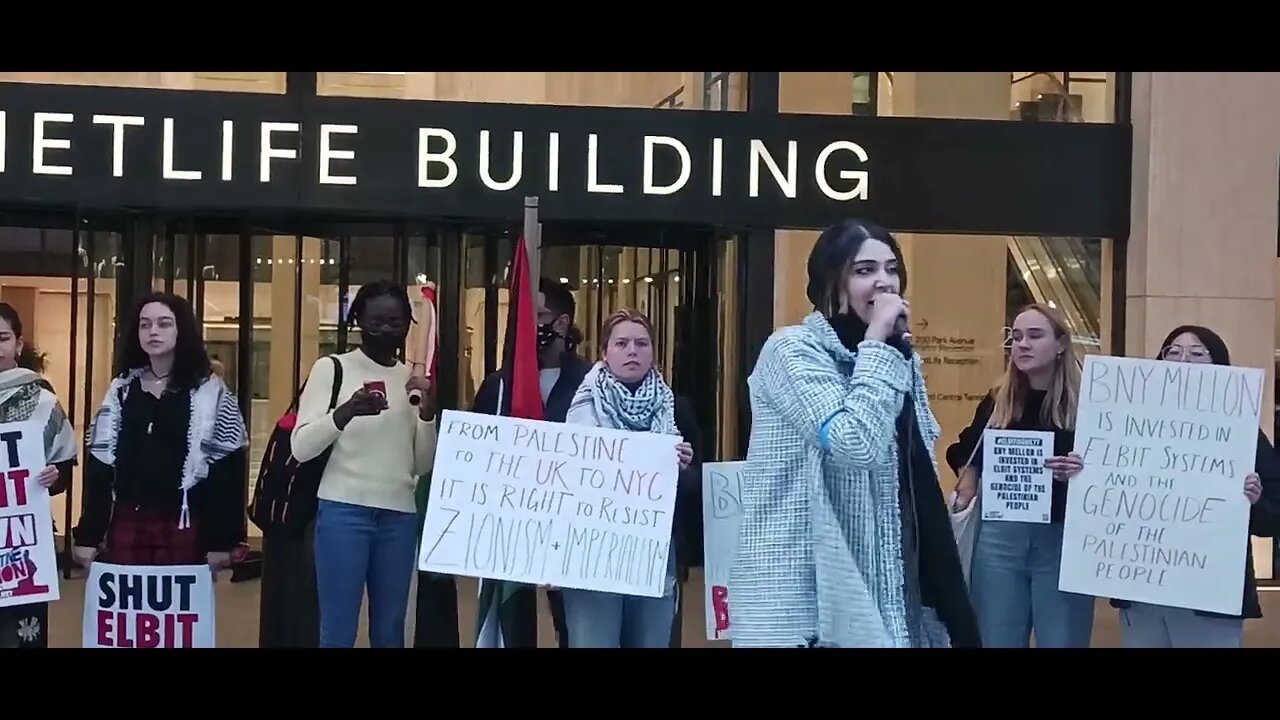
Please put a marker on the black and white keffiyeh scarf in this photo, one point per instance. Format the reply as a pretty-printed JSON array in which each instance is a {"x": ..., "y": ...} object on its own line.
[
  {"x": 649, "y": 408},
  {"x": 25, "y": 397},
  {"x": 216, "y": 430}
]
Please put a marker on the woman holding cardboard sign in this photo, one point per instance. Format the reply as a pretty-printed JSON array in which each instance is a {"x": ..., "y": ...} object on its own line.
[
  {"x": 1014, "y": 567},
  {"x": 166, "y": 461},
  {"x": 25, "y": 396},
  {"x": 366, "y": 525},
  {"x": 1145, "y": 625},
  {"x": 625, "y": 391}
]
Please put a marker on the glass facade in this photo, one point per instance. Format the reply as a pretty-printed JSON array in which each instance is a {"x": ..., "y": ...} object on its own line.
[
  {"x": 669, "y": 90},
  {"x": 271, "y": 301}
]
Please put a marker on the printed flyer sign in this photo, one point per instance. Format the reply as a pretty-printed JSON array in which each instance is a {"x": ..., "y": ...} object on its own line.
[{"x": 1016, "y": 486}]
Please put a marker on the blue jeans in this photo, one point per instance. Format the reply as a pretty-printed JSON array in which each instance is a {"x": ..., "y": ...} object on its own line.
[
  {"x": 358, "y": 546},
  {"x": 1014, "y": 587},
  {"x": 609, "y": 620}
]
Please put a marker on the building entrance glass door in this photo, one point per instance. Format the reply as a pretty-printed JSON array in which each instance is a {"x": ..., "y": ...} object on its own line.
[{"x": 664, "y": 272}]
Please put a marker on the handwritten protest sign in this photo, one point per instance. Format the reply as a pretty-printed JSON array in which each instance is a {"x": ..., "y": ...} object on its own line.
[
  {"x": 721, "y": 510},
  {"x": 1016, "y": 486},
  {"x": 1158, "y": 515},
  {"x": 549, "y": 503},
  {"x": 148, "y": 606},
  {"x": 28, "y": 558}
]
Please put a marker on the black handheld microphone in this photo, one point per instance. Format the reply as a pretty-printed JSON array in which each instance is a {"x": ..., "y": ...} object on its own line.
[
  {"x": 901, "y": 327},
  {"x": 902, "y": 332}
]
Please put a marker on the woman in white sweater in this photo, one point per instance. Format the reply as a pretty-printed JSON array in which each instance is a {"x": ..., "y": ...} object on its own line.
[{"x": 366, "y": 518}]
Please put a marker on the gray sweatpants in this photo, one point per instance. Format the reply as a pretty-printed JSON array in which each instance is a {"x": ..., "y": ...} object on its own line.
[{"x": 1156, "y": 626}]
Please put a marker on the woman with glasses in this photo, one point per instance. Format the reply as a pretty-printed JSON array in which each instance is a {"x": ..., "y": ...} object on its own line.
[{"x": 1146, "y": 625}]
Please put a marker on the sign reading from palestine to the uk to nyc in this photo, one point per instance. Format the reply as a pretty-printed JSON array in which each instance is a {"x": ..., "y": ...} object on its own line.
[
  {"x": 1158, "y": 514},
  {"x": 551, "y": 504}
]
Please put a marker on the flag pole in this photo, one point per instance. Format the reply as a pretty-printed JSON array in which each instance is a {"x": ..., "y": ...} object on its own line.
[{"x": 533, "y": 244}]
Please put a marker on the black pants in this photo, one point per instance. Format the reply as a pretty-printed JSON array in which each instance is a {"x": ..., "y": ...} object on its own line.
[
  {"x": 24, "y": 626},
  {"x": 556, "y": 601},
  {"x": 436, "y": 612},
  {"x": 436, "y": 616},
  {"x": 289, "y": 610}
]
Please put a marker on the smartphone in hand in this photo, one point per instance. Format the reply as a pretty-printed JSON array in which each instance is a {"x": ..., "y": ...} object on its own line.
[{"x": 376, "y": 387}]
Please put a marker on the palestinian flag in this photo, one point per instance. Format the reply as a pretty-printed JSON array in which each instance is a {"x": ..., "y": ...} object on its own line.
[{"x": 508, "y": 611}]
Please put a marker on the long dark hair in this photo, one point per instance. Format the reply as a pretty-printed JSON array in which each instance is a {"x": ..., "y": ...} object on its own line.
[
  {"x": 30, "y": 358},
  {"x": 832, "y": 254},
  {"x": 190, "y": 360}
]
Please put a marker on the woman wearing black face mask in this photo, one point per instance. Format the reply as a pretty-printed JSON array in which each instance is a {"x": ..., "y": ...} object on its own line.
[{"x": 367, "y": 519}]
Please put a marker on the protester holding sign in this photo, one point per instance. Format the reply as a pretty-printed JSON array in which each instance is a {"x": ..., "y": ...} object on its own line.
[
  {"x": 560, "y": 372},
  {"x": 1014, "y": 576},
  {"x": 625, "y": 391},
  {"x": 1146, "y": 625},
  {"x": 367, "y": 513},
  {"x": 25, "y": 397},
  {"x": 166, "y": 465},
  {"x": 844, "y": 534}
]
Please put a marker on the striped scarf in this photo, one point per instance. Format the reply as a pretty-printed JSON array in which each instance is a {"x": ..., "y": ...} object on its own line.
[{"x": 216, "y": 430}]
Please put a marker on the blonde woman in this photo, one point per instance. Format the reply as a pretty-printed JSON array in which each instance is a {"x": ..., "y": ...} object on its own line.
[{"x": 1014, "y": 575}]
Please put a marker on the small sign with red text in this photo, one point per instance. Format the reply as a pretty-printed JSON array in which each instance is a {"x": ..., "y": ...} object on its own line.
[
  {"x": 721, "y": 491},
  {"x": 149, "y": 606},
  {"x": 28, "y": 558}
]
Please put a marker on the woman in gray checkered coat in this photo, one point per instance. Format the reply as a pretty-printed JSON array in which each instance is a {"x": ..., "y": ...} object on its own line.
[{"x": 844, "y": 534}]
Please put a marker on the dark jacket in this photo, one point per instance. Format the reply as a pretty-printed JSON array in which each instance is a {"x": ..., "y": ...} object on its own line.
[
  {"x": 686, "y": 522},
  {"x": 572, "y": 370}
]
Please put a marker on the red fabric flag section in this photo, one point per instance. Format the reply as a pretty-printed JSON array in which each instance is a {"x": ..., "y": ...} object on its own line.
[{"x": 522, "y": 340}]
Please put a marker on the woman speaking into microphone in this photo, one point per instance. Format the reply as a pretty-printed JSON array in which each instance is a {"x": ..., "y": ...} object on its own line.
[{"x": 845, "y": 539}]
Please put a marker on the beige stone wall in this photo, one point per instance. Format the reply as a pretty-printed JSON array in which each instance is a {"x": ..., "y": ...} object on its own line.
[{"x": 1202, "y": 244}]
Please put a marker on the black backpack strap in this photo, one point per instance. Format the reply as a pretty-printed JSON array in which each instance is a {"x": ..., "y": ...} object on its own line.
[{"x": 337, "y": 382}]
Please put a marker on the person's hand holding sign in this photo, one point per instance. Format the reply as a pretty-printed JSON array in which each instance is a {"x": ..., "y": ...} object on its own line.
[
  {"x": 684, "y": 453},
  {"x": 84, "y": 555},
  {"x": 1252, "y": 487},
  {"x": 219, "y": 560},
  {"x": 47, "y": 477},
  {"x": 1065, "y": 467}
]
